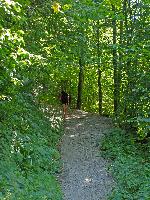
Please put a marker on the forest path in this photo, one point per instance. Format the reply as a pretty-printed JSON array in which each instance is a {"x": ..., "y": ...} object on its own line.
[{"x": 84, "y": 175}]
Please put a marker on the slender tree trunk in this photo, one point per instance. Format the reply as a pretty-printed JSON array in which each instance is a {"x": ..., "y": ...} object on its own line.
[
  {"x": 100, "y": 91},
  {"x": 129, "y": 105},
  {"x": 99, "y": 71},
  {"x": 115, "y": 62},
  {"x": 130, "y": 64},
  {"x": 120, "y": 60},
  {"x": 128, "y": 32},
  {"x": 80, "y": 84},
  {"x": 125, "y": 45},
  {"x": 121, "y": 43}
]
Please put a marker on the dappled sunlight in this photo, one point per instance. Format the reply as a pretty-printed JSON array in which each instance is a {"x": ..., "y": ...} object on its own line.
[
  {"x": 76, "y": 114},
  {"x": 53, "y": 115},
  {"x": 84, "y": 176},
  {"x": 74, "y": 129},
  {"x": 55, "y": 121},
  {"x": 74, "y": 135},
  {"x": 98, "y": 53},
  {"x": 69, "y": 128},
  {"x": 79, "y": 125},
  {"x": 88, "y": 180},
  {"x": 8, "y": 1}
]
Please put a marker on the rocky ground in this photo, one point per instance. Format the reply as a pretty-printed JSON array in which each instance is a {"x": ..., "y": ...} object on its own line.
[{"x": 84, "y": 175}]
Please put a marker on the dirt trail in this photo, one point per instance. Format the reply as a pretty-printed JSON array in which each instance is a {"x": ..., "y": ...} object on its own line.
[{"x": 84, "y": 175}]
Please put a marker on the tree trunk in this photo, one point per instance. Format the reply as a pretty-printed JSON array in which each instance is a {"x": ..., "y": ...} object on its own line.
[
  {"x": 121, "y": 43},
  {"x": 129, "y": 105},
  {"x": 120, "y": 67},
  {"x": 99, "y": 71},
  {"x": 116, "y": 99},
  {"x": 100, "y": 91},
  {"x": 80, "y": 84}
]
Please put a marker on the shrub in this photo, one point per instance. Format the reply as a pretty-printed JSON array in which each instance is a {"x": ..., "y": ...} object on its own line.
[
  {"x": 29, "y": 157},
  {"x": 130, "y": 165}
]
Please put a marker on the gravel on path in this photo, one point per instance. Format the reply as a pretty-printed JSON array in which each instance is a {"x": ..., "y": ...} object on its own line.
[{"x": 84, "y": 175}]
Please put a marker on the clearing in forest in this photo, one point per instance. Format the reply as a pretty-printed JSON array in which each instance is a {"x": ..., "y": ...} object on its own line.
[{"x": 84, "y": 175}]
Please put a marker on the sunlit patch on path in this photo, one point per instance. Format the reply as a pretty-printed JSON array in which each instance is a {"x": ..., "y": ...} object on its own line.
[{"x": 84, "y": 175}]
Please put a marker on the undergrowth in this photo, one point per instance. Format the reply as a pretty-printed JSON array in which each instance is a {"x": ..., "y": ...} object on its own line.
[
  {"x": 29, "y": 159},
  {"x": 130, "y": 165}
]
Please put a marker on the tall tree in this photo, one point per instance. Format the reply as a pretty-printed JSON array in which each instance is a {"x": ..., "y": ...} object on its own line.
[
  {"x": 99, "y": 68},
  {"x": 80, "y": 82},
  {"x": 115, "y": 65}
]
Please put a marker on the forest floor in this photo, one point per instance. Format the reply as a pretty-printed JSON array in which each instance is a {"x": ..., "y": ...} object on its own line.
[{"x": 84, "y": 175}]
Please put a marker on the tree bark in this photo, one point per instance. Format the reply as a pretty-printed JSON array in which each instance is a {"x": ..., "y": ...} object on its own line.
[
  {"x": 80, "y": 84},
  {"x": 116, "y": 99},
  {"x": 99, "y": 70},
  {"x": 100, "y": 91},
  {"x": 121, "y": 43}
]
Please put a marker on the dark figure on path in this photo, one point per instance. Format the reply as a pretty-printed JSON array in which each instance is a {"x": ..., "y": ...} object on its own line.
[{"x": 65, "y": 101}]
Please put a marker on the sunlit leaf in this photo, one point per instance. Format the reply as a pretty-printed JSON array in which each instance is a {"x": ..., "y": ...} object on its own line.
[{"x": 56, "y": 7}]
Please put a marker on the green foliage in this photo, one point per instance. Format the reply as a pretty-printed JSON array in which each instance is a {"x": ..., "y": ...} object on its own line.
[
  {"x": 41, "y": 43},
  {"x": 130, "y": 165},
  {"x": 29, "y": 159}
]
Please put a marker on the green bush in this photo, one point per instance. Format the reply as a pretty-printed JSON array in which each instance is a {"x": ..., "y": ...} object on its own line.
[
  {"x": 29, "y": 157},
  {"x": 130, "y": 165}
]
